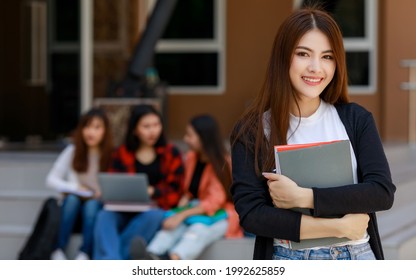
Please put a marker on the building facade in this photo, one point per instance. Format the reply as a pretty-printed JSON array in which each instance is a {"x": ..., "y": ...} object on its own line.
[{"x": 57, "y": 57}]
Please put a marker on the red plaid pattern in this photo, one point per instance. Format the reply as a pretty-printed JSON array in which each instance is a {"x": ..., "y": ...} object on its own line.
[{"x": 168, "y": 189}]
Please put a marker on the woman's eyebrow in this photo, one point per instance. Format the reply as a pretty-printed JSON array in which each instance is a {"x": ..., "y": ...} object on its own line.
[{"x": 309, "y": 49}]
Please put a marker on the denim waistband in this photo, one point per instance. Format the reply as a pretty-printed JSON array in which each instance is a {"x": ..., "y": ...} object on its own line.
[{"x": 346, "y": 252}]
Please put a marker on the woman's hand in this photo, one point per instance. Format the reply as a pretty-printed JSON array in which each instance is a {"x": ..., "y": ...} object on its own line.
[
  {"x": 286, "y": 194},
  {"x": 172, "y": 222},
  {"x": 97, "y": 194},
  {"x": 183, "y": 201},
  {"x": 175, "y": 220},
  {"x": 150, "y": 190},
  {"x": 354, "y": 225}
]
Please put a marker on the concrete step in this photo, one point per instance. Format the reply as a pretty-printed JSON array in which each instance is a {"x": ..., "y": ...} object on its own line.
[
  {"x": 21, "y": 207},
  {"x": 230, "y": 249},
  {"x": 402, "y": 161},
  {"x": 397, "y": 230},
  {"x": 22, "y": 194},
  {"x": 24, "y": 175},
  {"x": 12, "y": 240},
  {"x": 401, "y": 246},
  {"x": 30, "y": 157}
]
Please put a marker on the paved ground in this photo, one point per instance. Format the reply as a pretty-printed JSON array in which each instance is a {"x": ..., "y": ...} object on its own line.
[{"x": 402, "y": 160}]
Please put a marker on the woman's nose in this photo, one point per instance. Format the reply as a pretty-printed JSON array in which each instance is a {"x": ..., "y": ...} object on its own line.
[{"x": 314, "y": 65}]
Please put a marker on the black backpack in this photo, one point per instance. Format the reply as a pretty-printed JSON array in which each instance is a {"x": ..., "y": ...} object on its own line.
[{"x": 41, "y": 241}]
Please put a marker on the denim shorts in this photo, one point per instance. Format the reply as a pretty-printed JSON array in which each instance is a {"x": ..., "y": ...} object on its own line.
[{"x": 347, "y": 252}]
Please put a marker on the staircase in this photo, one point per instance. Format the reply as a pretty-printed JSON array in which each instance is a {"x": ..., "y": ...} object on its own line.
[
  {"x": 22, "y": 192},
  {"x": 398, "y": 225}
]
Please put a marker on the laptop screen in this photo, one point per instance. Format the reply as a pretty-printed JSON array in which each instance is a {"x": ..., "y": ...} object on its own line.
[{"x": 124, "y": 187}]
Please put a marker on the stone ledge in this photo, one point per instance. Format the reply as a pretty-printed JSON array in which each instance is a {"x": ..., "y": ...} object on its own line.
[
  {"x": 397, "y": 227},
  {"x": 223, "y": 249}
]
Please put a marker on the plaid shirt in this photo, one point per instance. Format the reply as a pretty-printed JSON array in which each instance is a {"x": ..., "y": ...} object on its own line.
[{"x": 168, "y": 189}]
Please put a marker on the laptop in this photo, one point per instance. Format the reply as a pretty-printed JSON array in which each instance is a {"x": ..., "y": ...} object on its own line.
[{"x": 125, "y": 192}]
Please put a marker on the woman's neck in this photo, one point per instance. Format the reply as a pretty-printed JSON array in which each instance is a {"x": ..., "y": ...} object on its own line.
[
  {"x": 306, "y": 107},
  {"x": 94, "y": 150},
  {"x": 146, "y": 154}
]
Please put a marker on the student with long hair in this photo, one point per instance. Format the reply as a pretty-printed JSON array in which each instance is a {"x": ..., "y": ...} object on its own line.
[
  {"x": 74, "y": 174},
  {"x": 145, "y": 150},
  {"x": 206, "y": 196},
  {"x": 304, "y": 99}
]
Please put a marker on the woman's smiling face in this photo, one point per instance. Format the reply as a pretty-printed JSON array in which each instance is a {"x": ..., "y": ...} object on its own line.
[{"x": 313, "y": 65}]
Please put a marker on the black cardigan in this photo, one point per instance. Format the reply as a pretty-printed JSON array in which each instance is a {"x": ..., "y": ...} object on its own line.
[{"x": 374, "y": 192}]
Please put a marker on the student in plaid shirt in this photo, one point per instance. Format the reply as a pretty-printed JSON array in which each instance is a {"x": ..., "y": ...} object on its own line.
[{"x": 146, "y": 151}]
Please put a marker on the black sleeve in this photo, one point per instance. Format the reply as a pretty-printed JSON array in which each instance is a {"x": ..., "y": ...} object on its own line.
[
  {"x": 253, "y": 203},
  {"x": 375, "y": 190}
]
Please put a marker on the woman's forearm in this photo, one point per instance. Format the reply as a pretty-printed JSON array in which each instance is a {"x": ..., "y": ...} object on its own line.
[
  {"x": 312, "y": 227},
  {"x": 351, "y": 226},
  {"x": 197, "y": 210}
]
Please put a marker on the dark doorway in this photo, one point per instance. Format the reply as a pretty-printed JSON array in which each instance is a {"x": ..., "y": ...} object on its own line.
[{"x": 39, "y": 70}]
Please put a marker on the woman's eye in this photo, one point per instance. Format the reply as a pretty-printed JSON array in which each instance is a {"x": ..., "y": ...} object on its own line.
[
  {"x": 330, "y": 57},
  {"x": 302, "y": 54}
]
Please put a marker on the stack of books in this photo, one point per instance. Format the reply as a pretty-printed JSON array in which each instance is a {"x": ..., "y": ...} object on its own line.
[{"x": 318, "y": 165}]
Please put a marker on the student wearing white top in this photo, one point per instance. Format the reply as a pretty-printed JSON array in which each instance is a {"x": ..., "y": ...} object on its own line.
[
  {"x": 74, "y": 174},
  {"x": 304, "y": 99}
]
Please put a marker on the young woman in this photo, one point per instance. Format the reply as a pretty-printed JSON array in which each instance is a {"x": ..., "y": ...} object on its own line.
[
  {"x": 145, "y": 151},
  {"x": 74, "y": 174},
  {"x": 206, "y": 197},
  {"x": 304, "y": 99}
]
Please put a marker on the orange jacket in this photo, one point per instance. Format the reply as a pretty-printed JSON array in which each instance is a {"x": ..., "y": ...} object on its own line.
[{"x": 211, "y": 194}]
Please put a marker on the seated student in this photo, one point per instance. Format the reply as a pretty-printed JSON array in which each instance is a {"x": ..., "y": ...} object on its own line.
[
  {"x": 145, "y": 151},
  {"x": 74, "y": 174},
  {"x": 209, "y": 213}
]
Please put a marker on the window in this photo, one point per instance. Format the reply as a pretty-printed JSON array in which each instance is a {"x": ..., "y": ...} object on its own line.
[
  {"x": 190, "y": 56},
  {"x": 64, "y": 64},
  {"x": 358, "y": 22}
]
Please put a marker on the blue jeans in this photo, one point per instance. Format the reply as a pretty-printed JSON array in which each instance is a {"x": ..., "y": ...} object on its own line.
[
  {"x": 114, "y": 231},
  {"x": 187, "y": 241},
  {"x": 347, "y": 252},
  {"x": 72, "y": 208}
]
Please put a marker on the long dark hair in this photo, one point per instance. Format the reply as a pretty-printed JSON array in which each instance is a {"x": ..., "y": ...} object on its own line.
[
  {"x": 213, "y": 147},
  {"x": 132, "y": 142},
  {"x": 277, "y": 94},
  {"x": 80, "y": 161}
]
